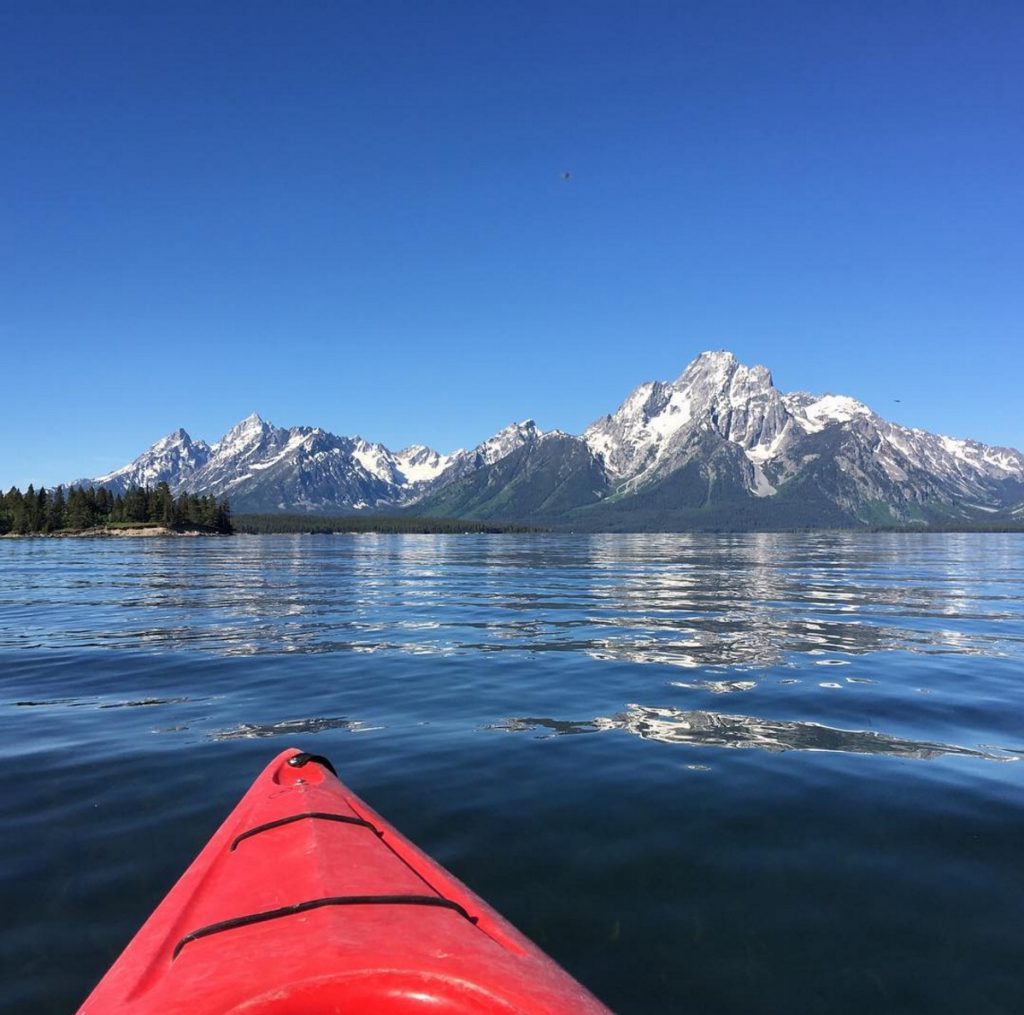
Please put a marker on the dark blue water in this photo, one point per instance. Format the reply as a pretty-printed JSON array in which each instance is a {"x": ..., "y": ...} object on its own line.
[{"x": 709, "y": 774}]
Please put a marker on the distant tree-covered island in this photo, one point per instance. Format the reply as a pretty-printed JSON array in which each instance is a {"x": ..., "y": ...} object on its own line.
[{"x": 86, "y": 509}]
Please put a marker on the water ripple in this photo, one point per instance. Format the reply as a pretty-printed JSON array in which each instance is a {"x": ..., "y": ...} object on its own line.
[
  {"x": 291, "y": 727},
  {"x": 684, "y": 601},
  {"x": 717, "y": 729}
]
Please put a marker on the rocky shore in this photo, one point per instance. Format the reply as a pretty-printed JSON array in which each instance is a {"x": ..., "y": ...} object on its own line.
[{"x": 100, "y": 532}]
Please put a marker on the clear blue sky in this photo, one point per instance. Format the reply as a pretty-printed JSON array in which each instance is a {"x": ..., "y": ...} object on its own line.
[{"x": 351, "y": 214}]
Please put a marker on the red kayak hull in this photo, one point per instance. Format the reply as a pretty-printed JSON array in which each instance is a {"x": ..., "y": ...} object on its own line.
[{"x": 307, "y": 900}]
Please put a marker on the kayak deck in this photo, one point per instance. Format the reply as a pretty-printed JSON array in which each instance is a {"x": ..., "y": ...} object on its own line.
[{"x": 306, "y": 900}]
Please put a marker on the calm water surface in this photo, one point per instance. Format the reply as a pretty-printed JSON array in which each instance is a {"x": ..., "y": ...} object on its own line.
[{"x": 707, "y": 774}]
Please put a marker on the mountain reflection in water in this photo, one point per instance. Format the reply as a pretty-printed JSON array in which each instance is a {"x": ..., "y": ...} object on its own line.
[{"x": 715, "y": 729}]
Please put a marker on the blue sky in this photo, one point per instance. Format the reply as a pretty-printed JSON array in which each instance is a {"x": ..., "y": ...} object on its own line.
[{"x": 352, "y": 215}]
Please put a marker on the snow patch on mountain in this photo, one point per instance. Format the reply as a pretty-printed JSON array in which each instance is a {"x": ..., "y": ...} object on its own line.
[
  {"x": 294, "y": 441},
  {"x": 761, "y": 486},
  {"x": 377, "y": 461},
  {"x": 830, "y": 409},
  {"x": 420, "y": 464}
]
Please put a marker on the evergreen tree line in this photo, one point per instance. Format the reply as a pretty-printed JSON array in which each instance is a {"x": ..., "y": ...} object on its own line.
[
  {"x": 78, "y": 507},
  {"x": 256, "y": 524}
]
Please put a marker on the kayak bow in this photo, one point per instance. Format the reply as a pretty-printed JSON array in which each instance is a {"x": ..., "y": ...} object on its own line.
[{"x": 306, "y": 900}]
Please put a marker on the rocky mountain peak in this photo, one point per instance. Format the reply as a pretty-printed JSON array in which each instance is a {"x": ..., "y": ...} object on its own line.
[
  {"x": 507, "y": 440},
  {"x": 164, "y": 462},
  {"x": 709, "y": 365},
  {"x": 718, "y": 375},
  {"x": 714, "y": 393},
  {"x": 254, "y": 423},
  {"x": 176, "y": 438}
]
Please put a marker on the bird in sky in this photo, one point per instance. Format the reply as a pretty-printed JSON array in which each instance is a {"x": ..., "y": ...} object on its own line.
[{"x": 566, "y": 177}]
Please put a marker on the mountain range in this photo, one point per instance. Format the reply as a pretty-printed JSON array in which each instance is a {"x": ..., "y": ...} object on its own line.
[{"x": 720, "y": 447}]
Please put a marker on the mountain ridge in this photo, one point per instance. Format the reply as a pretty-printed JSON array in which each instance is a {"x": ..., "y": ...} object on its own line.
[{"x": 719, "y": 446}]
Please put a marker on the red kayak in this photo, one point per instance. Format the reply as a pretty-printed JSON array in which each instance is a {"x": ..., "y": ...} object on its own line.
[{"x": 307, "y": 901}]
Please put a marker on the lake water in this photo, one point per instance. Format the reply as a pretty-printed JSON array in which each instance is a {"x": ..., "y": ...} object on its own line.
[{"x": 705, "y": 773}]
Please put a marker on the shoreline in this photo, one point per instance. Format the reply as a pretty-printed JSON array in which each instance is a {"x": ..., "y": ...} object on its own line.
[
  {"x": 145, "y": 532},
  {"x": 162, "y": 532}
]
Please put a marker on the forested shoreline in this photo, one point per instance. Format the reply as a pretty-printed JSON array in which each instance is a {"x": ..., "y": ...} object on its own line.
[
  {"x": 84, "y": 508},
  {"x": 266, "y": 524},
  {"x": 94, "y": 510}
]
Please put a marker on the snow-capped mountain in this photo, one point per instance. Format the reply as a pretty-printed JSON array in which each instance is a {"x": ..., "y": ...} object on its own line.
[
  {"x": 649, "y": 433},
  {"x": 420, "y": 464},
  {"x": 719, "y": 446},
  {"x": 168, "y": 459},
  {"x": 776, "y": 439},
  {"x": 506, "y": 441},
  {"x": 262, "y": 467}
]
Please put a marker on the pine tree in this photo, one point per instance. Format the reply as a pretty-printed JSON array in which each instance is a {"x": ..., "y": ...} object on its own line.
[
  {"x": 16, "y": 507},
  {"x": 223, "y": 517},
  {"x": 6, "y": 513},
  {"x": 77, "y": 513},
  {"x": 56, "y": 519},
  {"x": 42, "y": 510},
  {"x": 164, "y": 513},
  {"x": 135, "y": 505},
  {"x": 31, "y": 523},
  {"x": 91, "y": 506}
]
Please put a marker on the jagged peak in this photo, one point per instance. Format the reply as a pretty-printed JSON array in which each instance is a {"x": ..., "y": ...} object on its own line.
[
  {"x": 507, "y": 440},
  {"x": 800, "y": 399},
  {"x": 253, "y": 420},
  {"x": 707, "y": 363},
  {"x": 714, "y": 356},
  {"x": 526, "y": 429},
  {"x": 523, "y": 426},
  {"x": 420, "y": 453},
  {"x": 175, "y": 437},
  {"x": 253, "y": 423},
  {"x": 720, "y": 369}
]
